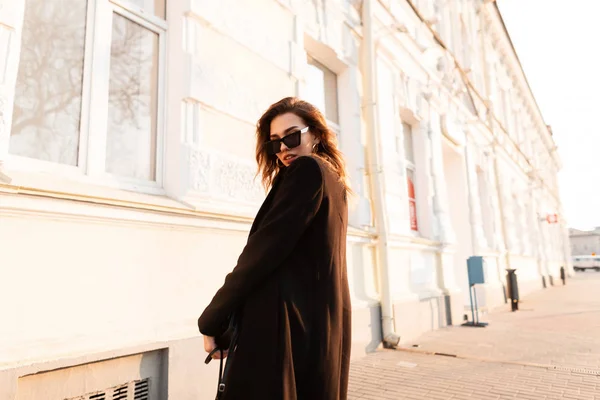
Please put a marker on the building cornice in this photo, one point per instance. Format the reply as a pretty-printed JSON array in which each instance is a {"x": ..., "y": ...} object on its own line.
[
  {"x": 503, "y": 43},
  {"x": 502, "y": 139}
]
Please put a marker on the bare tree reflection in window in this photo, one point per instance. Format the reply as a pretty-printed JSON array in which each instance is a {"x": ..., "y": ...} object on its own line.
[
  {"x": 48, "y": 94},
  {"x": 132, "y": 109}
]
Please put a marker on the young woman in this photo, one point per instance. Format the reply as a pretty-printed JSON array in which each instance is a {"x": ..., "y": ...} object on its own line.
[{"x": 287, "y": 300}]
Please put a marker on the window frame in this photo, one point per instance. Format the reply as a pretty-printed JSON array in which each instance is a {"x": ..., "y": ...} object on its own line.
[
  {"x": 410, "y": 165},
  {"x": 335, "y": 126},
  {"x": 93, "y": 120},
  {"x": 29, "y": 164},
  {"x": 404, "y": 114}
]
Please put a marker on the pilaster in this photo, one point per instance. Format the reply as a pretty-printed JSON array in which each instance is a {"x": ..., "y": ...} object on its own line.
[
  {"x": 478, "y": 236},
  {"x": 443, "y": 231},
  {"x": 352, "y": 146}
]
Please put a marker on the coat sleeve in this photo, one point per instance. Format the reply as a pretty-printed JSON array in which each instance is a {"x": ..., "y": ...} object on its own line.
[{"x": 295, "y": 204}]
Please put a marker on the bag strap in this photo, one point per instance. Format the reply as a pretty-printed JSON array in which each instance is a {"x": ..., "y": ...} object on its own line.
[
  {"x": 220, "y": 384},
  {"x": 232, "y": 347}
]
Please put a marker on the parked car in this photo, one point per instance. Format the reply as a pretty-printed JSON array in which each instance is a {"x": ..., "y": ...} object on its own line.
[{"x": 581, "y": 263}]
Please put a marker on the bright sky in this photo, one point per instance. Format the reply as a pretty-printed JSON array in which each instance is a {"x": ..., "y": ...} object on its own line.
[{"x": 558, "y": 43}]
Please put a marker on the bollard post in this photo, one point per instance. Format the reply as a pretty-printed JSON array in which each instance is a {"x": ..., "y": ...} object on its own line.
[{"x": 513, "y": 288}]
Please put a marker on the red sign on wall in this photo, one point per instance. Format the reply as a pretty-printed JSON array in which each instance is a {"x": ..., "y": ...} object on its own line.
[{"x": 552, "y": 218}]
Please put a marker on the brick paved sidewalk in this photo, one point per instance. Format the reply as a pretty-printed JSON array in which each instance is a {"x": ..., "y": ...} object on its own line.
[
  {"x": 557, "y": 326},
  {"x": 550, "y": 349}
]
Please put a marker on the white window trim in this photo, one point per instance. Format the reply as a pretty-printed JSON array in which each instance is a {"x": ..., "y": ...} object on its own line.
[
  {"x": 331, "y": 60},
  {"x": 154, "y": 25},
  {"x": 141, "y": 13},
  {"x": 404, "y": 114},
  {"x": 91, "y": 158},
  {"x": 335, "y": 126},
  {"x": 411, "y": 165}
]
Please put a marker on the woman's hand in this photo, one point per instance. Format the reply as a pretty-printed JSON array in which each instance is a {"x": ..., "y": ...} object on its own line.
[{"x": 210, "y": 344}]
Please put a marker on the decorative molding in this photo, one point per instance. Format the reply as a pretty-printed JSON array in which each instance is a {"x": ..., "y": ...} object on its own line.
[
  {"x": 501, "y": 43},
  {"x": 452, "y": 130},
  {"x": 223, "y": 177},
  {"x": 20, "y": 206},
  {"x": 199, "y": 167},
  {"x": 413, "y": 243},
  {"x": 324, "y": 20},
  {"x": 410, "y": 96},
  {"x": 235, "y": 180}
]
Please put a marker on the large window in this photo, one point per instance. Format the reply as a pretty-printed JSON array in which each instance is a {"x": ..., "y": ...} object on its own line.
[
  {"x": 132, "y": 100},
  {"x": 322, "y": 90},
  {"x": 48, "y": 95},
  {"x": 89, "y": 92}
]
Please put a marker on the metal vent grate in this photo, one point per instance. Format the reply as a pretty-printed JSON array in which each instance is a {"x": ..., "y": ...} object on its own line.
[
  {"x": 135, "y": 390},
  {"x": 120, "y": 393},
  {"x": 142, "y": 390}
]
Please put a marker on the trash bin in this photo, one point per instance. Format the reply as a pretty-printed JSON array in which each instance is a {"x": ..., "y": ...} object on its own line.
[{"x": 513, "y": 288}]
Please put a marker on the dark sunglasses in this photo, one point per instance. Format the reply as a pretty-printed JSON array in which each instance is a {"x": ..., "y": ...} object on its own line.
[{"x": 292, "y": 140}]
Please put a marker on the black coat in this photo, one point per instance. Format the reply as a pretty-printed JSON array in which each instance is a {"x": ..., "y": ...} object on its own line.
[{"x": 290, "y": 287}]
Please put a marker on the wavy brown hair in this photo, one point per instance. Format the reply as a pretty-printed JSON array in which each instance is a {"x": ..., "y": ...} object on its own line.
[{"x": 327, "y": 149}]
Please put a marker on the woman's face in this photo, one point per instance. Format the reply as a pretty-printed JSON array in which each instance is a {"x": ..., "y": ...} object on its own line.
[{"x": 290, "y": 124}]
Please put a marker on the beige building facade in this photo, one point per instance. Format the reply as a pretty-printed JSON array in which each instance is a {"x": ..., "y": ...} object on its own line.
[{"x": 127, "y": 175}]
